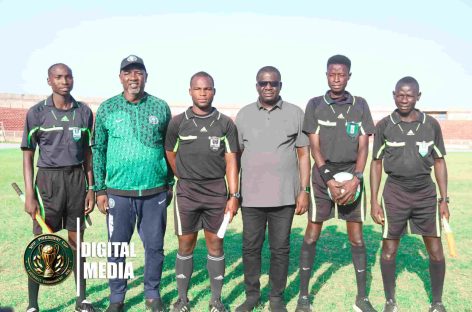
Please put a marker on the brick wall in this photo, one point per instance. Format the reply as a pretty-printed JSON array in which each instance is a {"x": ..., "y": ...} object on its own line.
[
  {"x": 12, "y": 118},
  {"x": 457, "y": 130}
]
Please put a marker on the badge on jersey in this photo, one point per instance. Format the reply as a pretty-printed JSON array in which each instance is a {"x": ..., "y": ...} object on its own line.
[
  {"x": 214, "y": 143},
  {"x": 153, "y": 120},
  {"x": 76, "y": 134},
  {"x": 423, "y": 148},
  {"x": 352, "y": 128}
]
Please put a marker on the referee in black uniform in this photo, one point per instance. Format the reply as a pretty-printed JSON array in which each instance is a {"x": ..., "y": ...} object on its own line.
[
  {"x": 60, "y": 126},
  {"x": 409, "y": 142},
  {"x": 338, "y": 125},
  {"x": 201, "y": 146}
]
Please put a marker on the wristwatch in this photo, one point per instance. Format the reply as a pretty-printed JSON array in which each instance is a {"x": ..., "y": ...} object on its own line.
[
  {"x": 359, "y": 175},
  {"x": 237, "y": 195},
  {"x": 305, "y": 189},
  {"x": 446, "y": 199}
]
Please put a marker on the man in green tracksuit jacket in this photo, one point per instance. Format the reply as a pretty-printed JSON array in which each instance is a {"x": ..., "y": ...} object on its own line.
[{"x": 132, "y": 177}]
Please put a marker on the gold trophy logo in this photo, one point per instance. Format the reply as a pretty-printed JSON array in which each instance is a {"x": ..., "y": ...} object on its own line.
[
  {"x": 48, "y": 259},
  {"x": 48, "y": 254}
]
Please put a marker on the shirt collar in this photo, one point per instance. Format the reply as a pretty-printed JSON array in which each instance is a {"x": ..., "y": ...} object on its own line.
[
  {"x": 348, "y": 99},
  {"x": 276, "y": 105},
  {"x": 189, "y": 114},
  {"x": 143, "y": 99},
  {"x": 49, "y": 102},
  {"x": 396, "y": 119}
]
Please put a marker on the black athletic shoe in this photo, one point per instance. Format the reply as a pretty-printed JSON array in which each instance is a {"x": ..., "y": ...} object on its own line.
[
  {"x": 181, "y": 306},
  {"x": 217, "y": 306},
  {"x": 84, "y": 306},
  {"x": 32, "y": 310},
  {"x": 437, "y": 307},
  {"x": 155, "y": 305},
  {"x": 277, "y": 306},
  {"x": 116, "y": 307},
  {"x": 248, "y": 305},
  {"x": 303, "y": 304},
  {"x": 363, "y": 305},
  {"x": 390, "y": 306}
]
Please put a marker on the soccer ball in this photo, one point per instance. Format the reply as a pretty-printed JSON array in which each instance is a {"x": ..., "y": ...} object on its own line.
[{"x": 345, "y": 176}]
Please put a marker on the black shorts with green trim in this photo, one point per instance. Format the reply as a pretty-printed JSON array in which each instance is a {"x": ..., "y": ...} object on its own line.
[
  {"x": 322, "y": 208},
  {"x": 414, "y": 212},
  {"x": 199, "y": 205},
  {"x": 61, "y": 195}
]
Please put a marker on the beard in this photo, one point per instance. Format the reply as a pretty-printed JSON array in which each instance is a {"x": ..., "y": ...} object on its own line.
[{"x": 134, "y": 90}]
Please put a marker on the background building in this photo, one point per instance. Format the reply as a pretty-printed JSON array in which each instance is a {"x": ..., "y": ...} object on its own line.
[{"x": 456, "y": 124}]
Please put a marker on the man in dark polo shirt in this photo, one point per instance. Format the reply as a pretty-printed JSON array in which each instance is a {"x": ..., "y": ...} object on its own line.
[
  {"x": 133, "y": 180},
  {"x": 338, "y": 125},
  {"x": 201, "y": 146},
  {"x": 409, "y": 143},
  {"x": 60, "y": 126},
  {"x": 275, "y": 176}
]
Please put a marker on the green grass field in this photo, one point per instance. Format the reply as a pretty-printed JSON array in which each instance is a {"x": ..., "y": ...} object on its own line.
[{"x": 332, "y": 285}]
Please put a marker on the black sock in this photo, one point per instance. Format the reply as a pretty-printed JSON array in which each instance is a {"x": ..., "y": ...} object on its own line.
[
  {"x": 183, "y": 272},
  {"x": 307, "y": 257},
  {"x": 437, "y": 271},
  {"x": 388, "y": 276},
  {"x": 216, "y": 271},
  {"x": 81, "y": 296},
  {"x": 33, "y": 290},
  {"x": 359, "y": 259}
]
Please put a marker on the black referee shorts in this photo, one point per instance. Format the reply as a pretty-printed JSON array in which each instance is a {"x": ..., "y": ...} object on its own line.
[
  {"x": 415, "y": 212},
  {"x": 322, "y": 208},
  {"x": 199, "y": 205},
  {"x": 61, "y": 195}
]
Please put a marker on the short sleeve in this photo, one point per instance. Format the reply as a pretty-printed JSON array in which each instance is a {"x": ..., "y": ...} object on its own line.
[
  {"x": 310, "y": 123},
  {"x": 439, "y": 149},
  {"x": 302, "y": 138},
  {"x": 89, "y": 120},
  {"x": 231, "y": 140},
  {"x": 30, "y": 139},
  {"x": 367, "y": 122},
  {"x": 172, "y": 134},
  {"x": 379, "y": 140},
  {"x": 239, "y": 127}
]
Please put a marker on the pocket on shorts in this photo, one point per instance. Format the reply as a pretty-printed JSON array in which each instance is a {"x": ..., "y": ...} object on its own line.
[{"x": 44, "y": 184}]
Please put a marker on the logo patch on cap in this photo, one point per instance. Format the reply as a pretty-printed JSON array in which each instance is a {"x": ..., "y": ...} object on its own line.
[{"x": 132, "y": 58}]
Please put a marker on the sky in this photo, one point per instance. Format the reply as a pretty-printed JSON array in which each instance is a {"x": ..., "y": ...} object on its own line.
[{"x": 231, "y": 40}]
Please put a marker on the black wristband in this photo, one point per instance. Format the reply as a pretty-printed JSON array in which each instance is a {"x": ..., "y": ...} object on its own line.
[
  {"x": 325, "y": 173},
  {"x": 445, "y": 199}
]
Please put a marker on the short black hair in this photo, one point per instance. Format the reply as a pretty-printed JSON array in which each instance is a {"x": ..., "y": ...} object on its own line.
[
  {"x": 268, "y": 69},
  {"x": 408, "y": 80},
  {"x": 202, "y": 74},
  {"x": 53, "y": 66},
  {"x": 339, "y": 59}
]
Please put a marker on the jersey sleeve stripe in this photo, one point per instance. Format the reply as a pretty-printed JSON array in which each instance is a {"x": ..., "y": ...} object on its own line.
[
  {"x": 380, "y": 151},
  {"x": 436, "y": 149},
  {"x": 30, "y": 134},
  {"x": 176, "y": 146}
]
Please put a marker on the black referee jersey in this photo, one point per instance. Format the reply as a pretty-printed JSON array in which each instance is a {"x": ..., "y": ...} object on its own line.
[{"x": 201, "y": 143}]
